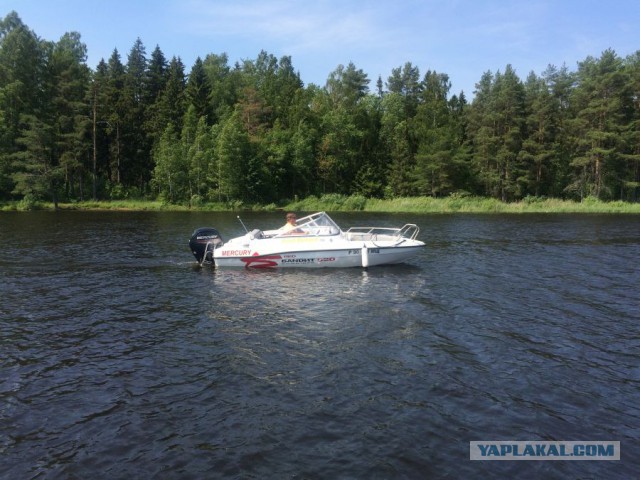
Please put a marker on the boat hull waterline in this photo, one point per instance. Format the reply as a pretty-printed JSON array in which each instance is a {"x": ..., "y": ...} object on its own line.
[
  {"x": 317, "y": 243},
  {"x": 328, "y": 258}
]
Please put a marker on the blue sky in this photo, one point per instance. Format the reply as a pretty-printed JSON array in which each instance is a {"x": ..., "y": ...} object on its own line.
[{"x": 462, "y": 38}]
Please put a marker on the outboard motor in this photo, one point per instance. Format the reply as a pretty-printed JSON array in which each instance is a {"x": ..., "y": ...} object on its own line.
[{"x": 203, "y": 242}]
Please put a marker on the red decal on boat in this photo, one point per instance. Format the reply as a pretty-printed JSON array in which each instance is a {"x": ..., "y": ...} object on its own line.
[{"x": 266, "y": 261}]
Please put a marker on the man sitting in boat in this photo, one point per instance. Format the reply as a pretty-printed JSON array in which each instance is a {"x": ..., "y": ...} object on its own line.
[{"x": 291, "y": 227}]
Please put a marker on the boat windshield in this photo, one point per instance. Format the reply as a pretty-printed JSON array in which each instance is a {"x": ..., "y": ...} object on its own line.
[{"x": 318, "y": 224}]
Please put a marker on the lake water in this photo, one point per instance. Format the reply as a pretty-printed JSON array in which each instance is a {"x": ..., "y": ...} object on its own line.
[{"x": 121, "y": 359}]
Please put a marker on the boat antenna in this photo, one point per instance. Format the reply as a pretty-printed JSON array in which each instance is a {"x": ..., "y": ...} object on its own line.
[{"x": 243, "y": 225}]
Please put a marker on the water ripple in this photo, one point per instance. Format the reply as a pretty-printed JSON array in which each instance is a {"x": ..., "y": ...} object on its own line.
[{"x": 120, "y": 358}]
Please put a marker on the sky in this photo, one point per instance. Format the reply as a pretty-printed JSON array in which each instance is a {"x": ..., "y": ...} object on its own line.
[{"x": 461, "y": 38}]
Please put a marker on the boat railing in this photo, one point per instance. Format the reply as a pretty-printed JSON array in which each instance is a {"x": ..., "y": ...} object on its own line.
[
  {"x": 410, "y": 231},
  {"x": 407, "y": 232}
]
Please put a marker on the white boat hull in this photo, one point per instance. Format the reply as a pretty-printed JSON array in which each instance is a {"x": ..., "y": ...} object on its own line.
[
  {"x": 338, "y": 258},
  {"x": 316, "y": 242}
]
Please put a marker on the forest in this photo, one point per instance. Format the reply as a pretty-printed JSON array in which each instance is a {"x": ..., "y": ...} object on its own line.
[{"x": 144, "y": 127}]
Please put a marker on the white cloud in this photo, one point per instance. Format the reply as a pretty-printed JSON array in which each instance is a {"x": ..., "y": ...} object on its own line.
[{"x": 293, "y": 26}]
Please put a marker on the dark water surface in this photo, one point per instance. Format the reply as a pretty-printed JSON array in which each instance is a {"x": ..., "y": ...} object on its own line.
[{"x": 121, "y": 360}]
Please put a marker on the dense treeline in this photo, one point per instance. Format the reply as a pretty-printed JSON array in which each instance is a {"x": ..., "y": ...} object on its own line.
[{"x": 252, "y": 132}]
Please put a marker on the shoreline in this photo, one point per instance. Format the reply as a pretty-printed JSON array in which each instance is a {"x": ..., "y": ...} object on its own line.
[{"x": 341, "y": 203}]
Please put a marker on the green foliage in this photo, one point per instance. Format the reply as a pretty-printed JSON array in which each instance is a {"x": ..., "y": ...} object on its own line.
[
  {"x": 232, "y": 152},
  {"x": 601, "y": 113},
  {"x": 28, "y": 202},
  {"x": 330, "y": 202},
  {"x": 252, "y": 133},
  {"x": 170, "y": 175}
]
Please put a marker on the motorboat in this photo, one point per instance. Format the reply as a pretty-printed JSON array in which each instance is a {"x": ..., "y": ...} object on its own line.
[{"x": 315, "y": 242}]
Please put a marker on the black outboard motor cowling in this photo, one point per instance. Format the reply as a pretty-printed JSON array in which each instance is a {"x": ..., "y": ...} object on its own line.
[{"x": 203, "y": 242}]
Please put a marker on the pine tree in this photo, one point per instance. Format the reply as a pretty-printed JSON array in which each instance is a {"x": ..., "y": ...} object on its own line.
[
  {"x": 155, "y": 120},
  {"x": 630, "y": 134},
  {"x": 599, "y": 117},
  {"x": 156, "y": 73},
  {"x": 346, "y": 86},
  {"x": 483, "y": 138},
  {"x": 561, "y": 83},
  {"x": 198, "y": 91},
  {"x": 436, "y": 138},
  {"x": 339, "y": 112},
  {"x": 538, "y": 152},
  {"x": 287, "y": 87},
  {"x": 509, "y": 106},
  {"x": 97, "y": 99},
  {"x": 370, "y": 177},
  {"x": 406, "y": 82},
  {"x": 135, "y": 163},
  {"x": 223, "y": 84},
  {"x": 71, "y": 114},
  {"x": 397, "y": 145},
  {"x": 22, "y": 97},
  {"x": 497, "y": 127},
  {"x": 116, "y": 105},
  {"x": 172, "y": 101}
]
